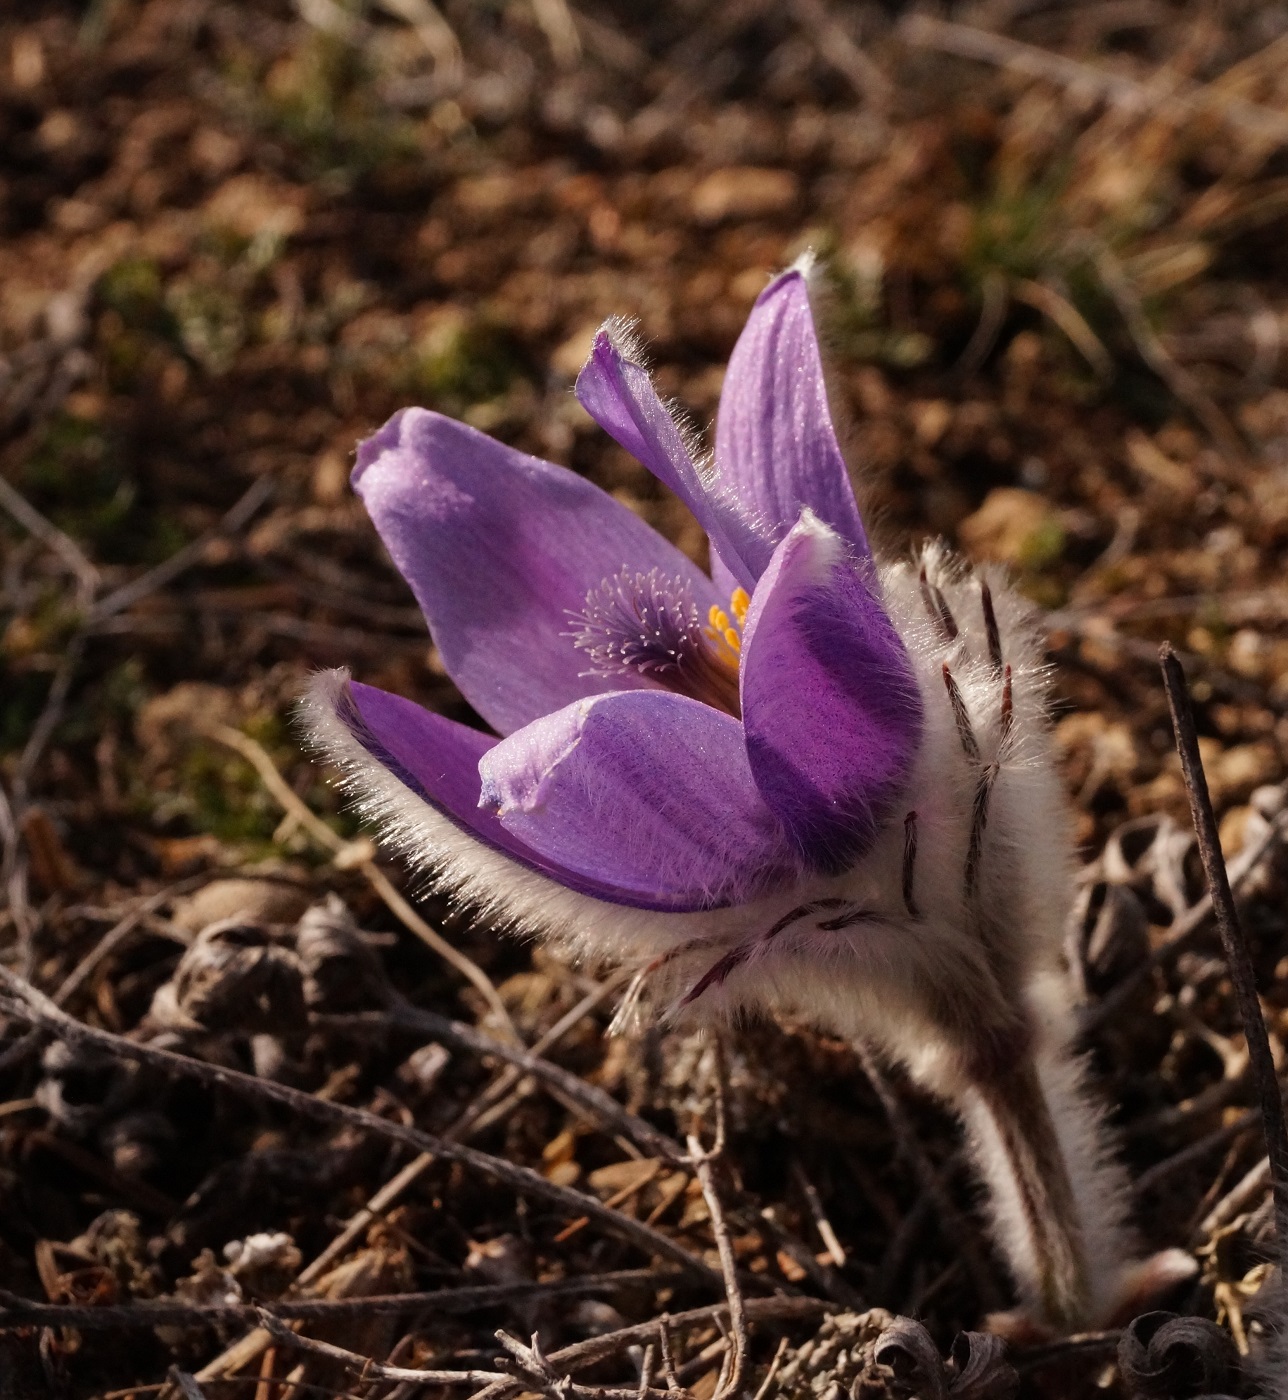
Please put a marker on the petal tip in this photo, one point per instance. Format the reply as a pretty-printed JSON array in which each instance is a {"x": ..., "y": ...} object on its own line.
[
  {"x": 371, "y": 449},
  {"x": 800, "y": 274}
]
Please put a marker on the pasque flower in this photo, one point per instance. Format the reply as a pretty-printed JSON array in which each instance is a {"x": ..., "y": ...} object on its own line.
[{"x": 810, "y": 783}]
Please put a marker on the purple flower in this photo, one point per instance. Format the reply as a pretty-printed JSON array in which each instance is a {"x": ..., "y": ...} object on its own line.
[
  {"x": 668, "y": 741},
  {"x": 809, "y": 784}
]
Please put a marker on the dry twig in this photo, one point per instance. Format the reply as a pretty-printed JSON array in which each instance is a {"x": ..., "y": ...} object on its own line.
[{"x": 1238, "y": 959}]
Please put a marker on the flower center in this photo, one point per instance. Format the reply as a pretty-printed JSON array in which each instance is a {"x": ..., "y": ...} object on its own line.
[{"x": 649, "y": 625}]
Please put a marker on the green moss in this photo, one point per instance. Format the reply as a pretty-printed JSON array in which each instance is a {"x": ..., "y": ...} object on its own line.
[
  {"x": 78, "y": 475},
  {"x": 1044, "y": 546},
  {"x": 134, "y": 290},
  {"x": 324, "y": 100},
  {"x": 462, "y": 362}
]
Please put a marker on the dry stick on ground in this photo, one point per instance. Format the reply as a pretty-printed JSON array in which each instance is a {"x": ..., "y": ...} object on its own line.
[
  {"x": 950, "y": 1219},
  {"x": 1062, "y": 313},
  {"x": 601, "y": 1105},
  {"x": 23, "y": 1312},
  {"x": 992, "y": 316},
  {"x": 731, "y": 1375},
  {"x": 821, "y": 1223},
  {"x": 22, "y": 1001},
  {"x": 238, "y": 515},
  {"x": 352, "y": 854},
  {"x": 1237, "y": 957}
]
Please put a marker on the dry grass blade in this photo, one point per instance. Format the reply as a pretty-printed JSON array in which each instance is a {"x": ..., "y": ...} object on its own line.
[
  {"x": 1152, "y": 350},
  {"x": 1062, "y": 313}
]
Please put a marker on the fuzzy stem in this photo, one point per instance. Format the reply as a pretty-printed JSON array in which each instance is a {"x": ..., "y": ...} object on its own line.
[{"x": 1033, "y": 1197}]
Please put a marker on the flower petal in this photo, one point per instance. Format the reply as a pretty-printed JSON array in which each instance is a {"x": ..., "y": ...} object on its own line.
[
  {"x": 776, "y": 449},
  {"x": 830, "y": 706},
  {"x": 645, "y": 791},
  {"x": 619, "y": 395},
  {"x": 500, "y": 548},
  {"x": 434, "y": 759}
]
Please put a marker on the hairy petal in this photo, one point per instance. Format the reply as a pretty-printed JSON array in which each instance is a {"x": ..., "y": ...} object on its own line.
[
  {"x": 776, "y": 449},
  {"x": 648, "y": 792},
  {"x": 436, "y": 760},
  {"x": 831, "y": 709},
  {"x": 619, "y": 395},
  {"x": 501, "y": 550}
]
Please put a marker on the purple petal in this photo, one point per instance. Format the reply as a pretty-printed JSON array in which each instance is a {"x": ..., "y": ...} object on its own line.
[
  {"x": 776, "y": 449},
  {"x": 648, "y": 792},
  {"x": 619, "y": 395},
  {"x": 829, "y": 702},
  {"x": 438, "y": 761},
  {"x": 500, "y": 548}
]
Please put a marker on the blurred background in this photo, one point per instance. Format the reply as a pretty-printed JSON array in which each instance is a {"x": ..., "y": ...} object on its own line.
[{"x": 235, "y": 235}]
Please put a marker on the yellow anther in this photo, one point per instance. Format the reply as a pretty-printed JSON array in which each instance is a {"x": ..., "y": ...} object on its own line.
[
  {"x": 732, "y": 638},
  {"x": 740, "y": 602},
  {"x": 718, "y": 618}
]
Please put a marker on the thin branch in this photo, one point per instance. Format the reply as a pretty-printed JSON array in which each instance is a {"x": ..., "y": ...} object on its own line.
[
  {"x": 702, "y": 1165},
  {"x": 364, "y": 1365},
  {"x": 25, "y": 1312},
  {"x": 765, "y": 1385},
  {"x": 1063, "y": 314},
  {"x": 1239, "y": 960},
  {"x": 1191, "y": 1152},
  {"x": 821, "y": 1223},
  {"x": 996, "y": 294},
  {"x": 22, "y": 1001}
]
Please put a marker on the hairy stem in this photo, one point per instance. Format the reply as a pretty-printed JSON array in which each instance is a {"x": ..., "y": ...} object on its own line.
[{"x": 1034, "y": 1203}]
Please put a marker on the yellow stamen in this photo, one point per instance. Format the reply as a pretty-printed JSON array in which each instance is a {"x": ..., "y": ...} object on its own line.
[{"x": 726, "y": 632}]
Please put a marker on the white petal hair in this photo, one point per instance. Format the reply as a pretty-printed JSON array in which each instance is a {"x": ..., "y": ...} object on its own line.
[{"x": 942, "y": 947}]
